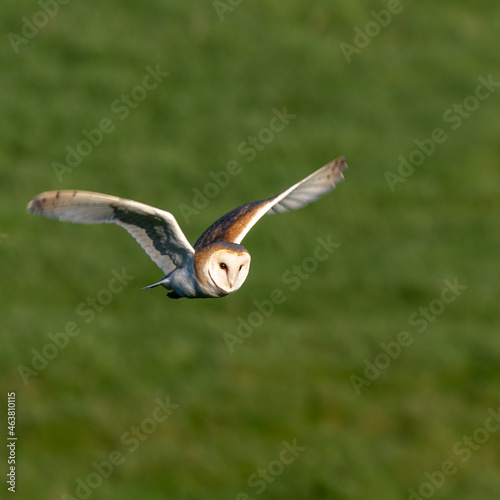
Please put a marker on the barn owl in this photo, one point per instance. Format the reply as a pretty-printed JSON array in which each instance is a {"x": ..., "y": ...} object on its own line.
[{"x": 217, "y": 264}]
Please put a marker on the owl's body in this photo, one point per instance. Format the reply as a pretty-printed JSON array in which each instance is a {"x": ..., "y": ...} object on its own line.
[
  {"x": 197, "y": 279},
  {"x": 218, "y": 264}
]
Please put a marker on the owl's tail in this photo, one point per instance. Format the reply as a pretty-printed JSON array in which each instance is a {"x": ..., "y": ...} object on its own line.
[{"x": 163, "y": 282}]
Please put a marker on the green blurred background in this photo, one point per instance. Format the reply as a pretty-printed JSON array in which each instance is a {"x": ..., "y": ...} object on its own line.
[{"x": 292, "y": 378}]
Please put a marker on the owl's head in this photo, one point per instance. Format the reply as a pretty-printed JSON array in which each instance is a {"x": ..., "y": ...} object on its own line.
[{"x": 222, "y": 266}]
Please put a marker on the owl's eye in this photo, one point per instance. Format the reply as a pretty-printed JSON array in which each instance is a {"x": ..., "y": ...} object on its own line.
[{"x": 222, "y": 265}]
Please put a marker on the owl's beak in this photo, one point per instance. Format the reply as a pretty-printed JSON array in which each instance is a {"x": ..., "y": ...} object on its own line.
[{"x": 231, "y": 279}]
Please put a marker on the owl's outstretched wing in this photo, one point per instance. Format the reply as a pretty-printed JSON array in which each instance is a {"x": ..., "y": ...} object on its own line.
[
  {"x": 235, "y": 225},
  {"x": 155, "y": 230}
]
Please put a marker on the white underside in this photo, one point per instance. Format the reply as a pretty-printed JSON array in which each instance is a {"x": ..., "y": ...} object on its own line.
[{"x": 183, "y": 281}]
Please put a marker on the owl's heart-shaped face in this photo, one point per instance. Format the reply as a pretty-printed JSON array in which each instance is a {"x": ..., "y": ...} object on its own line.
[{"x": 228, "y": 269}]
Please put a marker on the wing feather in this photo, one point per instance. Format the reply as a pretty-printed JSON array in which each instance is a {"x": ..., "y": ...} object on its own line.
[
  {"x": 235, "y": 225},
  {"x": 155, "y": 230},
  {"x": 311, "y": 188}
]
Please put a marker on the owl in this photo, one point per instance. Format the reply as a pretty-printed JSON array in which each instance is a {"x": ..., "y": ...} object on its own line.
[{"x": 217, "y": 265}]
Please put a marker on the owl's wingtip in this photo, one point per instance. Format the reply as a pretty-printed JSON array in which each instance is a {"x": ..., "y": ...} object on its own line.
[
  {"x": 44, "y": 203},
  {"x": 33, "y": 207},
  {"x": 336, "y": 167},
  {"x": 342, "y": 162}
]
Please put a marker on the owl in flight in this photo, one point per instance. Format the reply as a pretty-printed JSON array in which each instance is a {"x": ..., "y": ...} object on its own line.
[{"x": 218, "y": 264}]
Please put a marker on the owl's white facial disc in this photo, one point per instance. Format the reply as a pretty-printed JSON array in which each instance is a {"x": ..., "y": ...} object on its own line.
[{"x": 229, "y": 269}]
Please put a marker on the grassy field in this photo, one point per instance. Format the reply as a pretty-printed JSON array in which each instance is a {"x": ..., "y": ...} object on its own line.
[{"x": 374, "y": 373}]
